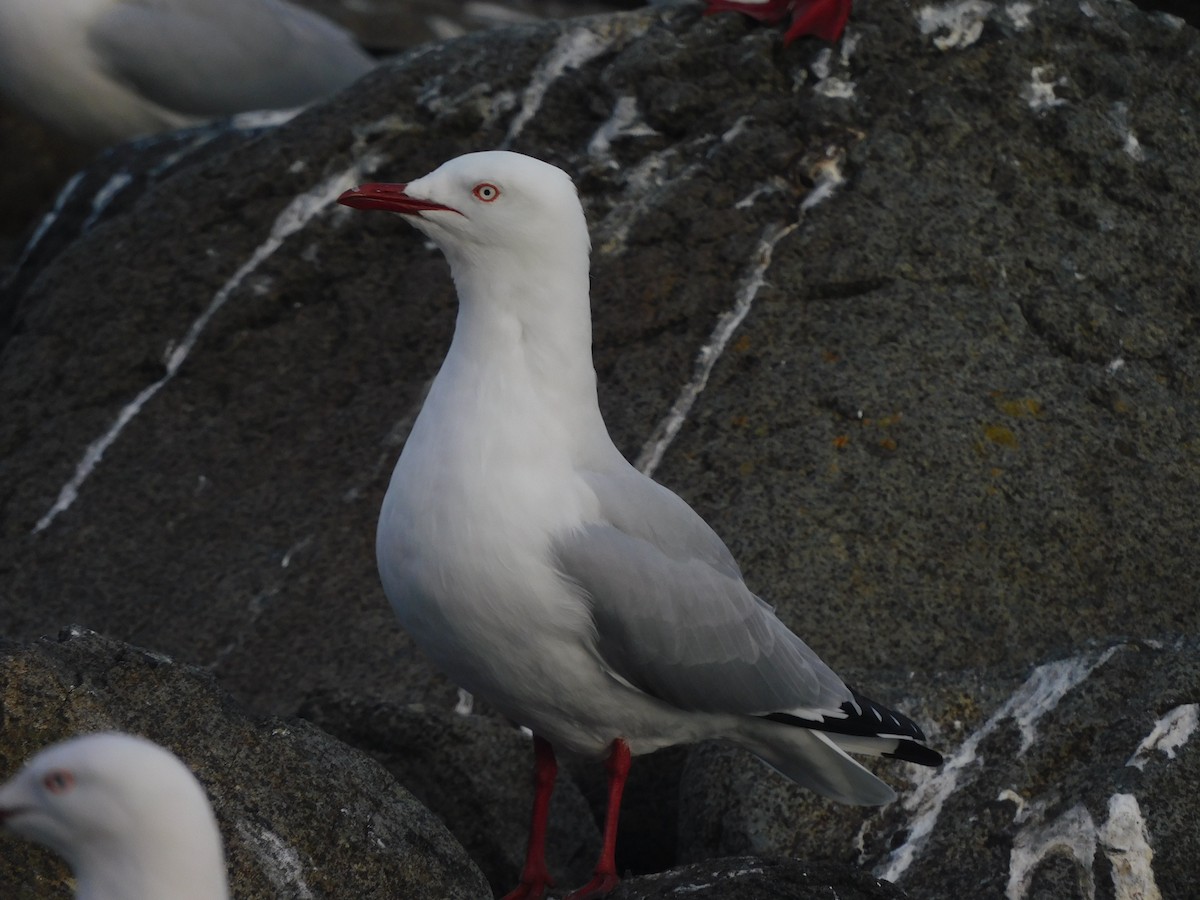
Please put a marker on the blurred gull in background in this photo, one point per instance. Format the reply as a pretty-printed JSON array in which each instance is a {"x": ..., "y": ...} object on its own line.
[{"x": 104, "y": 71}]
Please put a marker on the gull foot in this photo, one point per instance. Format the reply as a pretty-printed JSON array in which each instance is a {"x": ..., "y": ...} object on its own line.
[{"x": 825, "y": 19}]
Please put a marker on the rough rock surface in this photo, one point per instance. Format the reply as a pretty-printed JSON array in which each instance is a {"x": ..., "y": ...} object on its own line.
[
  {"x": 1077, "y": 783},
  {"x": 925, "y": 303},
  {"x": 302, "y": 815},
  {"x": 753, "y": 878},
  {"x": 473, "y": 772}
]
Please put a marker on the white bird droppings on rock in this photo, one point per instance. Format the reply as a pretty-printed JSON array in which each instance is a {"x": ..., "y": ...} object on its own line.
[
  {"x": 280, "y": 861},
  {"x": 1123, "y": 838},
  {"x": 1018, "y": 14},
  {"x": 1040, "y": 694},
  {"x": 960, "y": 24},
  {"x": 1039, "y": 92},
  {"x": 575, "y": 48},
  {"x": 1170, "y": 733},
  {"x": 625, "y": 121},
  {"x": 1125, "y": 841}
]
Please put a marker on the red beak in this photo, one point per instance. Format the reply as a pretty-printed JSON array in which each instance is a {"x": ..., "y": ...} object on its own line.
[{"x": 389, "y": 197}]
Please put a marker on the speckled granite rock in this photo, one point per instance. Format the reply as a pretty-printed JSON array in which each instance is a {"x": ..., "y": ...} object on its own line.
[
  {"x": 1077, "y": 782},
  {"x": 474, "y": 773},
  {"x": 931, "y": 296},
  {"x": 751, "y": 878},
  {"x": 302, "y": 816}
]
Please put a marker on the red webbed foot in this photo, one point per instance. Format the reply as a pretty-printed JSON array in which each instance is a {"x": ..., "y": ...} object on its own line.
[{"x": 825, "y": 19}]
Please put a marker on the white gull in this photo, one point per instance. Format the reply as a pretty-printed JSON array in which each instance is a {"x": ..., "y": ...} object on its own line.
[
  {"x": 129, "y": 818},
  {"x": 542, "y": 571},
  {"x": 103, "y": 71}
]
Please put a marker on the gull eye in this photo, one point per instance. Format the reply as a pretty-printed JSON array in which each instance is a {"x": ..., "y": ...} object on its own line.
[
  {"x": 486, "y": 192},
  {"x": 59, "y": 781}
]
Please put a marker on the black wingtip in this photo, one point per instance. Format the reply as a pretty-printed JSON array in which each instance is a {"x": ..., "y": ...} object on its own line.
[
  {"x": 864, "y": 717},
  {"x": 912, "y": 752}
]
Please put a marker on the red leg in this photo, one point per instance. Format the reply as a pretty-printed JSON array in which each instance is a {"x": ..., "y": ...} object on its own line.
[
  {"x": 606, "y": 878},
  {"x": 769, "y": 11},
  {"x": 534, "y": 876},
  {"x": 825, "y": 19}
]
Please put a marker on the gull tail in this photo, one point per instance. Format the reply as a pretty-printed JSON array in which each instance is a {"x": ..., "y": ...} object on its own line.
[
  {"x": 813, "y": 760},
  {"x": 811, "y": 749}
]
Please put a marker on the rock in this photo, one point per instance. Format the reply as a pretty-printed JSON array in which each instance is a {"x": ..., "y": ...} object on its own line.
[
  {"x": 476, "y": 775},
  {"x": 302, "y": 816},
  {"x": 754, "y": 878},
  {"x": 1080, "y": 778},
  {"x": 911, "y": 321}
]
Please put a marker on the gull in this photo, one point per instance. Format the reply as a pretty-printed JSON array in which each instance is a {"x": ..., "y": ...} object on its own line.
[
  {"x": 543, "y": 572},
  {"x": 129, "y": 818},
  {"x": 104, "y": 71},
  {"x": 825, "y": 19}
]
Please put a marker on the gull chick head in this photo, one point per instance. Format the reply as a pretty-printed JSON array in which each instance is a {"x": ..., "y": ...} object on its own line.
[{"x": 484, "y": 202}]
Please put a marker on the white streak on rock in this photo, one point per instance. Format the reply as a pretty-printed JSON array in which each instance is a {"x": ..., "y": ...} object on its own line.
[
  {"x": 835, "y": 88},
  {"x": 821, "y": 66},
  {"x": 827, "y": 178},
  {"x": 44, "y": 225},
  {"x": 736, "y": 129},
  {"x": 1039, "y": 92},
  {"x": 104, "y": 196},
  {"x": 625, "y": 121},
  {"x": 1126, "y": 842},
  {"x": 849, "y": 43},
  {"x": 758, "y": 191},
  {"x": 662, "y": 436},
  {"x": 280, "y": 862},
  {"x": 1170, "y": 733},
  {"x": 293, "y": 550},
  {"x": 1120, "y": 119},
  {"x": 646, "y": 185},
  {"x": 962, "y": 23},
  {"x": 466, "y": 703},
  {"x": 1040, "y": 693},
  {"x": 573, "y": 49},
  {"x": 294, "y": 217}
]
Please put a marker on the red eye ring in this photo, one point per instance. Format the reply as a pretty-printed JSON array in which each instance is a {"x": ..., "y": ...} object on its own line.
[
  {"x": 60, "y": 781},
  {"x": 486, "y": 192}
]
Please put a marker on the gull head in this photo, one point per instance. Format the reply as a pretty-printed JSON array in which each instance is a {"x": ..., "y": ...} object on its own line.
[
  {"x": 112, "y": 802},
  {"x": 486, "y": 205}
]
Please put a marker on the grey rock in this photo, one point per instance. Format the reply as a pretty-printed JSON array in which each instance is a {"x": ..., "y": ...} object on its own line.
[
  {"x": 755, "y": 878},
  {"x": 1078, "y": 783},
  {"x": 476, "y": 774},
  {"x": 302, "y": 816},
  {"x": 947, "y": 285}
]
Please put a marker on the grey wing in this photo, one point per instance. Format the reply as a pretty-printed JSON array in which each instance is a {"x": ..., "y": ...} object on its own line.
[
  {"x": 209, "y": 58},
  {"x": 673, "y": 616}
]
